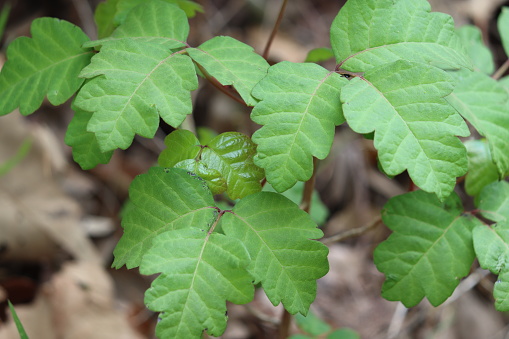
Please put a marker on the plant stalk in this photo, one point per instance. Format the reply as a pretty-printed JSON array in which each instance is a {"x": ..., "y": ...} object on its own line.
[
  {"x": 274, "y": 30},
  {"x": 354, "y": 232},
  {"x": 498, "y": 74}
]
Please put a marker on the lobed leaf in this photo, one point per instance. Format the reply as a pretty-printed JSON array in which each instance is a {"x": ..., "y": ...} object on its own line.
[
  {"x": 154, "y": 21},
  {"x": 414, "y": 127},
  {"x": 494, "y": 201},
  {"x": 481, "y": 168},
  {"x": 369, "y": 33},
  {"x": 226, "y": 162},
  {"x": 430, "y": 248},
  {"x": 200, "y": 272},
  {"x": 299, "y": 109},
  {"x": 231, "y": 62},
  {"x": 47, "y": 64},
  {"x": 161, "y": 200},
  {"x": 492, "y": 248},
  {"x": 481, "y": 55},
  {"x": 277, "y": 236},
  {"x": 85, "y": 148},
  {"x": 484, "y": 103},
  {"x": 133, "y": 85}
]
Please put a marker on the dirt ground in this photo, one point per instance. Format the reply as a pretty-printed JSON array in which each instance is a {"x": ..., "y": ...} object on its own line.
[{"x": 59, "y": 224}]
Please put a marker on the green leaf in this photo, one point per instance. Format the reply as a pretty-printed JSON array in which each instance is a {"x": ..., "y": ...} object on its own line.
[
  {"x": 312, "y": 324},
  {"x": 199, "y": 273},
  {"x": 19, "y": 325},
  {"x": 319, "y": 54},
  {"x": 368, "y": 33},
  {"x": 299, "y": 109},
  {"x": 231, "y": 62},
  {"x": 484, "y": 103},
  {"x": 481, "y": 56},
  {"x": 318, "y": 211},
  {"x": 103, "y": 17},
  {"x": 134, "y": 85},
  {"x": 85, "y": 148},
  {"x": 481, "y": 168},
  {"x": 503, "y": 28},
  {"x": 414, "y": 126},
  {"x": 161, "y": 200},
  {"x": 226, "y": 162},
  {"x": 344, "y": 333},
  {"x": 277, "y": 236},
  {"x": 430, "y": 248},
  {"x": 492, "y": 248},
  {"x": 47, "y": 64},
  {"x": 154, "y": 21},
  {"x": 494, "y": 201},
  {"x": 125, "y": 6}
]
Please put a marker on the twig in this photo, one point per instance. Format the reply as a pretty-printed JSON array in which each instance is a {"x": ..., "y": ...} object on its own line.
[
  {"x": 274, "y": 30},
  {"x": 284, "y": 327},
  {"x": 226, "y": 90},
  {"x": 309, "y": 187},
  {"x": 498, "y": 74},
  {"x": 354, "y": 232}
]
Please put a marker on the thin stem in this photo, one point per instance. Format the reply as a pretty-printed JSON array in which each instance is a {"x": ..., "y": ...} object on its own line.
[
  {"x": 498, "y": 74},
  {"x": 274, "y": 30},
  {"x": 226, "y": 90},
  {"x": 284, "y": 327},
  {"x": 309, "y": 187},
  {"x": 354, "y": 232}
]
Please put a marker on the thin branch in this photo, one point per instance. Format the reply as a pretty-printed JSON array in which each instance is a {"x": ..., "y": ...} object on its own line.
[
  {"x": 284, "y": 327},
  {"x": 274, "y": 30},
  {"x": 498, "y": 74},
  {"x": 352, "y": 233},
  {"x": 309, "y": 187},
  {"x": 226, "y": 90}
]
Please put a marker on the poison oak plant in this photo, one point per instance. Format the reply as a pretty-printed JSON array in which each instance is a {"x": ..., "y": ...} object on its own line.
[{"x": 404, "y": 77}]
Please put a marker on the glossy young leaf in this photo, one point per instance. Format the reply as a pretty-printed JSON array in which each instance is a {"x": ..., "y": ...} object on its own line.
[
  {"x": 414, "y": 126},
  {"x": 368, "y": 33},
  {"x": 231, "y": 62},
  {"x": 154, "y": 21},
  {"x": 47, "y": 64},
  {"x": 481, "y": 56},
  {"x": 284, "y": 259},
  {"x": 133, "y": 85},
  {"x": 430, "y": 248},
  {"x": 227, "y": 158},
  {"x": 492, "y": 248},
  {"x": 85, "y": 148},
  {"x": 161, "y": 200},
  {"x": 299, "y": 109},
  {"x": 481, "y": 168},
  {"x": 200, "y": 272},
  {"x": 485, "y": 103},
  {"x": 494, "y": 201},
  {"x": 503, "y": 28}
]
